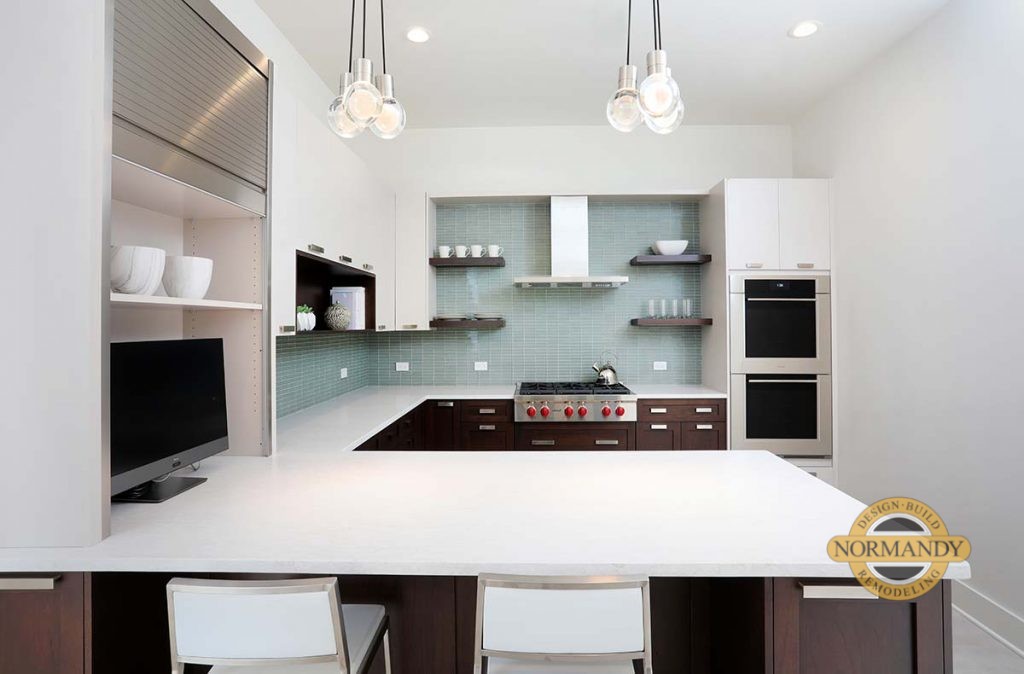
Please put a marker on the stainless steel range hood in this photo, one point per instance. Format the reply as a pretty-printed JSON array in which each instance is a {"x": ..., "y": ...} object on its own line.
[{"x": 570, "y": 250}]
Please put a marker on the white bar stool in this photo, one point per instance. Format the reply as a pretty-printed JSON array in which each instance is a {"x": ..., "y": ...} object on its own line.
[
  {"x": 562, "y": 625},
  {"x": 272, "y": 627}
]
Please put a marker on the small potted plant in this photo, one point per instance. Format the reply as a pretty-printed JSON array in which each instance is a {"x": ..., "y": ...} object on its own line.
[{"x": 305, "y": 319}]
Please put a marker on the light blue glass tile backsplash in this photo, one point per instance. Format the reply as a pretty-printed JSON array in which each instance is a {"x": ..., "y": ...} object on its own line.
[
  {"x": 550, "y": 333},
  {"x": 554, "y": 333}
]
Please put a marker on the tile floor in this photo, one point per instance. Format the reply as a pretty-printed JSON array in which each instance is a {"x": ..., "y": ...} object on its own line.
[{"x": 975, "y": 652}]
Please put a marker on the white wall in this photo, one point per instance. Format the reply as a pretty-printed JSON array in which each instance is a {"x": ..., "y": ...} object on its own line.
[
  {"x": 925, "y": 148},
  {"x": 54, "y": 179},
  {"x": 554, "y": 160}
]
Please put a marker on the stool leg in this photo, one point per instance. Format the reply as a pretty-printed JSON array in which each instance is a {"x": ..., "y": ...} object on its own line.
[{"x": 387, "y": 652}]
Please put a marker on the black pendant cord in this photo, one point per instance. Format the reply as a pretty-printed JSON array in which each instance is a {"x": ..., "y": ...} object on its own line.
[
  {"x": 658, "y": 2},
  {"x": 364, "y": 28},
  {"x": 629, "y": 26},
  {"x": 383, "y": 42},
  {"x": 351, "y": 35}
]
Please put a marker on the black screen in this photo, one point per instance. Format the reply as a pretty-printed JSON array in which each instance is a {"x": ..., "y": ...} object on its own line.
[
  {"x": 165, "y": 398},
  {"x": 781, "y": 319},
  {"x": 782, "y": 407}
]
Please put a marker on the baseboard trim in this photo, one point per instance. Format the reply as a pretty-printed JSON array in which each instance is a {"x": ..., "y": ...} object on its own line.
[{"x": 998, "y": 621}]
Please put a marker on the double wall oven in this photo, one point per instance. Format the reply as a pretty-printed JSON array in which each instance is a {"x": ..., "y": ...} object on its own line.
[{"x": 781, "y": 354}]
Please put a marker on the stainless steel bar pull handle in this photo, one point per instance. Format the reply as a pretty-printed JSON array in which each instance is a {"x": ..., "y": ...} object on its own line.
[
  {"x": 606, "y": 442},
  {"x": 782, "y": 381},
  {"x": 486, "y": 427},
  {"x": 287, "y": 328},
  {"x": 705, "y": 427},
  {"x": 836, "y": 592},
  {"x": 659, "y": 410},
  {"x": 410, "y": 326},
  {"x": 486, "y": 410},
  {"x": 313, "y": 248},
  {"x": 23, "y": 583},
  {"x": 755, "y": 265},
  {"x": 781, "y": 299},
  {"x": 805, "y": 265},
  {"x": 345, "y": 258},
  {"x": 542, "y": 443},
  {"x": 445, "y": 403},
  {"x": 703, "y": 410},
  {"x": 659, "y": 427}
]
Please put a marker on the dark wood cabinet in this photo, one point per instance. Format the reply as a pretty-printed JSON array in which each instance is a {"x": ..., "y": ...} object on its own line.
[
  {"x": 494, "y": 437},
  {"x": 681, "y": 424},
  {"x": 658, "y": 436},
  {"x": 576, "y": 436},
  {"x": 43, "y": 623},
  {"x": 816, "y": 630},
  {"x": 440, "y": 425}
]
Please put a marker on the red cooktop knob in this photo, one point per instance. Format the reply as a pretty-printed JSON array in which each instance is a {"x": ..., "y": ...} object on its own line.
[
  {"x": 568, "y": 411},
  {"x": 606, "y": 411},
  {"x": 545, "y": 411},
  {"x": 582, "y": 410},
  {"x": 620, "y": 411},
  {"x": 531, "y": 411}
]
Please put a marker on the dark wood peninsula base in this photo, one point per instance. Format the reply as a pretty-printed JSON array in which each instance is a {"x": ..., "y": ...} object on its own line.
[{"x": 116, "y": 623}]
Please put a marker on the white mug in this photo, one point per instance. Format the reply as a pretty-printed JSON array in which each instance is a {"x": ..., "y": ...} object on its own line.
[
  {"x": 476, "y": 250},
  {"x": 494, "y": 250},
  {"x": 444, "y": 251},
  {"x": 460, "y": 251}
]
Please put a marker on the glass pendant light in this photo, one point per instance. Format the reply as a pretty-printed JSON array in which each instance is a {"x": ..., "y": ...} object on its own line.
[
  {"x": 659, "y": 93},
  {"x": 341, "y": 123},
  {"x": 623, "y": 109},
  {"x": 391, "y": 120},
  {"x": 362, "y": 100}
]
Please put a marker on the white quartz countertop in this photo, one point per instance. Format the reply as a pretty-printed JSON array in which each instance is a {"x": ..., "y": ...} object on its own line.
[
  {"x": 664, "y": 391},
  {"x": 321, "y": 510}
]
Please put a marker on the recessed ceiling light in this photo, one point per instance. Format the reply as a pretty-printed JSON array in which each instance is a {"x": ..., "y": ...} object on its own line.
[
  {"x": 417, "y": 34},
  {"x": 804, "y": 29}
]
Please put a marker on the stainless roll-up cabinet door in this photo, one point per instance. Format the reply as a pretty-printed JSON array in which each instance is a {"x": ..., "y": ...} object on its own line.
[{"x": 181, "y": 87}]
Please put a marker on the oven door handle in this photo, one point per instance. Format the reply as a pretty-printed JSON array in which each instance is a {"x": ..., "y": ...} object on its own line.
[
  {"x": 782, "y": 381},
  {"x": 782, "y": 299}
]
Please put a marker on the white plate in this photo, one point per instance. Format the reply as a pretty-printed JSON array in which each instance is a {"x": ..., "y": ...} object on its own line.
[{"x": 450, "y": 317}]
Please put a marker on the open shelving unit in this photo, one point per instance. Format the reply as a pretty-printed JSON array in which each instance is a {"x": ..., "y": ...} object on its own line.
[
  {"x": 467, "y": 262},
  {"x": 315, "y": 275},
  {"x": 160, "y": 302},
  {"x": 668, "y": 322},
  {"x": 469, "y": 324},
  {"x": 657, "y": 260}
]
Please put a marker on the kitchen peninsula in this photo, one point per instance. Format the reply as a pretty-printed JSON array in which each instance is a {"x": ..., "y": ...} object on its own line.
[{"x": 732, "y": 540}]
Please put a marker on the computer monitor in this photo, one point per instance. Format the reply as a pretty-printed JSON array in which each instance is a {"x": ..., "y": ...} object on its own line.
[{"x": 167, "y": 410}]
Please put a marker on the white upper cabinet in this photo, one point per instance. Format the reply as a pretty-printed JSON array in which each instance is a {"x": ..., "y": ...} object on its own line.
[
  {"x": 804, "y": 224},
  {"x": 752, "y": 223},
  {"x": 777, "y": 224}
]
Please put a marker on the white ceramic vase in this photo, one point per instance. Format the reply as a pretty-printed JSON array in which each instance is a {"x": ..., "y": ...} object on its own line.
[
  {"x": 136, "y": 270},
  {"x": 187, "y": 277},
  {"x": 305, "y": 322}
]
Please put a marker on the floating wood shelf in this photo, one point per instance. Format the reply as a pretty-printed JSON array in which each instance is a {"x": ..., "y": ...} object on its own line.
[
  {"x": 467, "y": 262},
  {"x": 152, "y": 301},
  {"x": 659, "y": 322},
  {"x": 470, "y": 324},
  {"x": 645, "y": 260}
]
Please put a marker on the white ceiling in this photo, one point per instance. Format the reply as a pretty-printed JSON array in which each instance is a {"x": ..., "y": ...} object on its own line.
[{"x": 537, "y": 62}]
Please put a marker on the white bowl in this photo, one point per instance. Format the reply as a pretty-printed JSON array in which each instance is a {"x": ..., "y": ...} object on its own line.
[
  {"x": 136, "y": 270},
  {"x": 187, "y": 277},
  {"x": 672, "y": 247}
]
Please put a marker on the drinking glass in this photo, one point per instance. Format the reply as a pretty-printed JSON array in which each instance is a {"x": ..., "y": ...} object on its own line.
[{"x": 687, "y": 308}]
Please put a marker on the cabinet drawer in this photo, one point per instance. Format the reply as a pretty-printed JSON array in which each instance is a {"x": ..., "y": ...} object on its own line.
[
  {"x": 485, "y": 436},
  {"x": 486, "y": 410},
  {"x": 703, "y": 435},
  {"x": 653, "y": 436},
  {"x": 575, "y": 436},
  {"x": 681, "y": 410}
]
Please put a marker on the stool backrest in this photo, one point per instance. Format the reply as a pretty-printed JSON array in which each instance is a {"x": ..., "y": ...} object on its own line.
[
  {"x": 559, "y": 618},
  {"x": 239, "y": 623}
]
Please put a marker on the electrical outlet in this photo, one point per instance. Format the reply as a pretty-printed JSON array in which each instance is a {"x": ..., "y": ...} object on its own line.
[
  {"x": 401, "y": 367},
  {"x": 344, "y": 373},
  {"x": 660, "y": 365},
  {"x": 480, "y": 365}
]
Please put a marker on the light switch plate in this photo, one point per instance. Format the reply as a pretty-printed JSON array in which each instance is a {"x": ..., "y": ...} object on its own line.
[
  {"x": 344, "y": 373},
  {"x": 401, "y": 367},
  {"x": 480, "y": 365},
  {"x": 660, "y": 365}
]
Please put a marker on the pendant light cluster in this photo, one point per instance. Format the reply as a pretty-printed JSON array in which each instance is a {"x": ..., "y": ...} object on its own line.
[
  {"x": 656, "y": 102},
  {"x": 365, "y": 101}
]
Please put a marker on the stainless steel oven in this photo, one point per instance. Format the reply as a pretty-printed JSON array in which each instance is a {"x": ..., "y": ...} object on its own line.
[
  {"x": 780, "y": 324},
  {"x": 788, "y": 414}
]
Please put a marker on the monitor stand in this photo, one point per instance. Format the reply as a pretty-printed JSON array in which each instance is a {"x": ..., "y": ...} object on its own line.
[{"x": 158, "y": 492}]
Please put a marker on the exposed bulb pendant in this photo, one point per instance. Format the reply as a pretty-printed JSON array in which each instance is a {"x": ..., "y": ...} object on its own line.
[
  {"x": 391, "y": 120},
  {"x": 362, "y": 100},
  {"x": 623, "y": 110},
  {"x": 341, "y": 123}
]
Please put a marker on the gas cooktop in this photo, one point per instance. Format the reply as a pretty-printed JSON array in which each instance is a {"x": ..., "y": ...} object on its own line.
[{"x": 574, "y": 401}]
